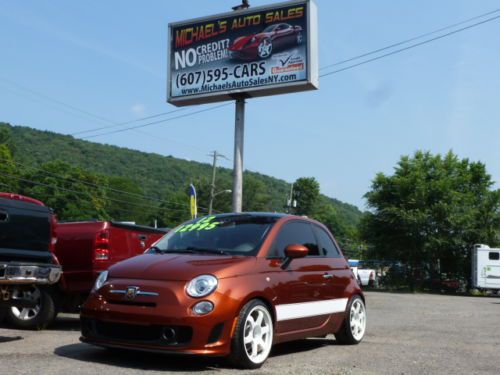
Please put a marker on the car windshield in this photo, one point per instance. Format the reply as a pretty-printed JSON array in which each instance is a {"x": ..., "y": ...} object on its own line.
[
  {"x": 225, "y": 234},
  {"x": 269, "y": 29}
]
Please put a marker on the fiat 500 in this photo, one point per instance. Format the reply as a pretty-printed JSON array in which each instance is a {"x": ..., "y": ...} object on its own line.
[{"x": 228, "y": 285}]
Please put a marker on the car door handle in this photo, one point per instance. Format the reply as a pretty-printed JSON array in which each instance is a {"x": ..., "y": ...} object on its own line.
[{"x": 327, "y": 276}]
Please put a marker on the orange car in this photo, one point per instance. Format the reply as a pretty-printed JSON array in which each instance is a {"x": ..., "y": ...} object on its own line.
[{"x": 228, "y": 285}]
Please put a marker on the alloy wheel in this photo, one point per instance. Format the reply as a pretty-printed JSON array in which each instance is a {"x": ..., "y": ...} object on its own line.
[
  {"x": 265, "y": 48},
  {"x": 258, "y": 334},
  {"x": 27, "y": 313},
  {"x": 358, "y": 319}
]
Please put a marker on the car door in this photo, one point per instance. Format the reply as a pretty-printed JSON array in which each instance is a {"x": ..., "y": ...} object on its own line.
[
  {"x": 338, "y": 275},
  {"x": 301, "y": 284},
  {"x": 280, "y": 36}
]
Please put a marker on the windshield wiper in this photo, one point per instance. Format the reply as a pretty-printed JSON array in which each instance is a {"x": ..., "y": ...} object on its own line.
[
  {"x": 188, "y": 250},
  {"x": 207, "y": 250},
  {"x": 157, "y": 250}
]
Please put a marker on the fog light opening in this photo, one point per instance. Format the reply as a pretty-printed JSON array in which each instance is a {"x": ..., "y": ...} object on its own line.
[
  {"x": 168, "y": 334},
  {"x": 203, "y": 307}
]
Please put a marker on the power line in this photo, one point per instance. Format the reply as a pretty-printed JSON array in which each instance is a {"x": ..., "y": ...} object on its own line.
[
  {"x": 140, "y": 196},
  {"x": 129, "y": 122},
  {"x": 57, "y": 101},
  {"x": 160, "y": 121},
  {"x": 409, "y": 47},
  {"x": 158, "y": 137},
  {"x": 408, "y": 40},
  {"x": 82, "y": 193}
]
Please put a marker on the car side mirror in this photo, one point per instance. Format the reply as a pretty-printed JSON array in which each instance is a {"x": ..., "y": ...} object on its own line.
[
  {"x": 296, "y": 251},
  {"x": 293, "y": 252}
]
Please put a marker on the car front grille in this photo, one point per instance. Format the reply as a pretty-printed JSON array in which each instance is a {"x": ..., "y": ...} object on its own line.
[{"x": 148, "y": 334}]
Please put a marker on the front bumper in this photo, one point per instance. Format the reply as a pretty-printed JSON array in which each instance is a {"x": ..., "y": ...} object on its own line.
[
  {"x": 29, "y": 273},
  {"x": 163, "y": 323}
]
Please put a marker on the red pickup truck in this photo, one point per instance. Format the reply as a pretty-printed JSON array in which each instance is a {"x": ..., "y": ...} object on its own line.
[{"x": 83, "y": 249}]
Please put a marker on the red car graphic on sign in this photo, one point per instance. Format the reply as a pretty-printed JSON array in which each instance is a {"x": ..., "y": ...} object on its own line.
[{"x": 262, "y": 45}]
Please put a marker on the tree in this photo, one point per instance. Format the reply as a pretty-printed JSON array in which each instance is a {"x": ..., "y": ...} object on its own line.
[
  {"x": 8, "y": 169},
  {"x": 255, "y": 195},
  {"x": 73, "y": 193},
  {"x": 430, "y": 211},
  {"x": 174, "y": 210},
  {"x": 125, "y": 201},
  {"x": 306, "y": 192}
]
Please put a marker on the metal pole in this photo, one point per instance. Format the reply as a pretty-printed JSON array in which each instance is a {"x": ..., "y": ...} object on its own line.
[
  {"x": 290, "y": 200},
  {"x": 212, "y": 187},
  {"x": 239, "y": 130}
]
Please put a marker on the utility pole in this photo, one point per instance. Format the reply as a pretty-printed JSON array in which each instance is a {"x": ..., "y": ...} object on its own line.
[
  {"x": 215, "y": 156},
  {"x": 239, "y": 131},
  {"x": 290, "y": 201}
]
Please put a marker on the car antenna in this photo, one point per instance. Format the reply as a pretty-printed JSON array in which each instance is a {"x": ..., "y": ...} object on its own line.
[{"x": 244, "y": 5}]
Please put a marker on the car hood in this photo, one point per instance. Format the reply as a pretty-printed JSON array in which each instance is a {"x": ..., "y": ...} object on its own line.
[
  {"x": 181, "y": 267},
  {"x": 243, "y": 40}
]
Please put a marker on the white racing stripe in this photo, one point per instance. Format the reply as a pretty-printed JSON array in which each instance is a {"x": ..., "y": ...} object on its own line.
[{"x": 308, "y": 309}]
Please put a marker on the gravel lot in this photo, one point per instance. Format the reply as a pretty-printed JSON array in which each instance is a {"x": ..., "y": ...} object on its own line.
[{"x": 407, "y": 334}]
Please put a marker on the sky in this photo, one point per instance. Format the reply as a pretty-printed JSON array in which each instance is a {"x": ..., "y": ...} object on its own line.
[{"x": 109, "y": 58}]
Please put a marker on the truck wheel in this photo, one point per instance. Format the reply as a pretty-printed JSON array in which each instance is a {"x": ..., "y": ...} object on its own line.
[
  {"x": 34, "y": 318},
  {"x": 354, "y": 326}
]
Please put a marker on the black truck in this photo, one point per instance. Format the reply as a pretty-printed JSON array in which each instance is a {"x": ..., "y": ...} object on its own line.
[{"x": 27, "y": 263}]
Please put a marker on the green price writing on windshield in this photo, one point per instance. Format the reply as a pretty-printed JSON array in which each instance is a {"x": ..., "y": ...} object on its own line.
[{"x": 206, "y": 223}]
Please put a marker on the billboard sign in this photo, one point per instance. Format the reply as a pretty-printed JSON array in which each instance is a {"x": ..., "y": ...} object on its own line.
[{"x": 256, "y": 52}]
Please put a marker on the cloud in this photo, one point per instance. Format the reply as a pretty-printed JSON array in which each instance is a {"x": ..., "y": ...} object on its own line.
[
  {"x": 138, "y": 109},
  {"x": 378, "y": 95}
]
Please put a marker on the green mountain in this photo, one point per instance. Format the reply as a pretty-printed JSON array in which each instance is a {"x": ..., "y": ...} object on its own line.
[{"x": 155, "y": 175}]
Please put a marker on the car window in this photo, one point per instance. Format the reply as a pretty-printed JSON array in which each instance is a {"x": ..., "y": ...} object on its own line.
[
  {"x": 295, "y": 233},
  {"x": 269, "y": 29},
  {"x": 326, "y": 245},
  {"x": 494, "y": 256}
]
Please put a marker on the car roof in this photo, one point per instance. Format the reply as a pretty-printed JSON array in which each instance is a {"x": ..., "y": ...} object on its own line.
[{"x": 276, "y": 215}]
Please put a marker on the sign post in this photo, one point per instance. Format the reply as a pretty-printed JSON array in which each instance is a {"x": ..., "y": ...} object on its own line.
[{"x": 239, "y": 141}]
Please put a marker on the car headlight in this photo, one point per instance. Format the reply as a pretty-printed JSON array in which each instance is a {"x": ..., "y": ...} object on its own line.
[
  {"x": 201, "y": 286},
  {"x": 101, "y": 279}
]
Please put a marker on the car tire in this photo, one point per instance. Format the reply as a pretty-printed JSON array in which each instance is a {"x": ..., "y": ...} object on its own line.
[
  {"x": 253, "y": 336},
  {"x": 36, "y": 318},
  {"x": 3, "y": 313},
  {"x": 354, "y": 325},
  {"x": 265, "y": 48}
]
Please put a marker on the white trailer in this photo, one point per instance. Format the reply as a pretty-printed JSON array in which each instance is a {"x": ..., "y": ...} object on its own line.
[{"x": 485, "y": 267}]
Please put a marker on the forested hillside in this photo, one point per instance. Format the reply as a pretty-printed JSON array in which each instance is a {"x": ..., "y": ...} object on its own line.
[{"x": 104, "y": 181}]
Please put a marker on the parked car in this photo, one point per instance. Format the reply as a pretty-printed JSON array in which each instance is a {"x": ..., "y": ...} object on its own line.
[
  {"x": 27, "y": 261},
  {"x": 228, "y": 285},
  {"x": 354, "y": 265},
  {"x": 84, "y": 249},
  {"x": 367, "y": 276},
  {"x": 275, "y": 37}
]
